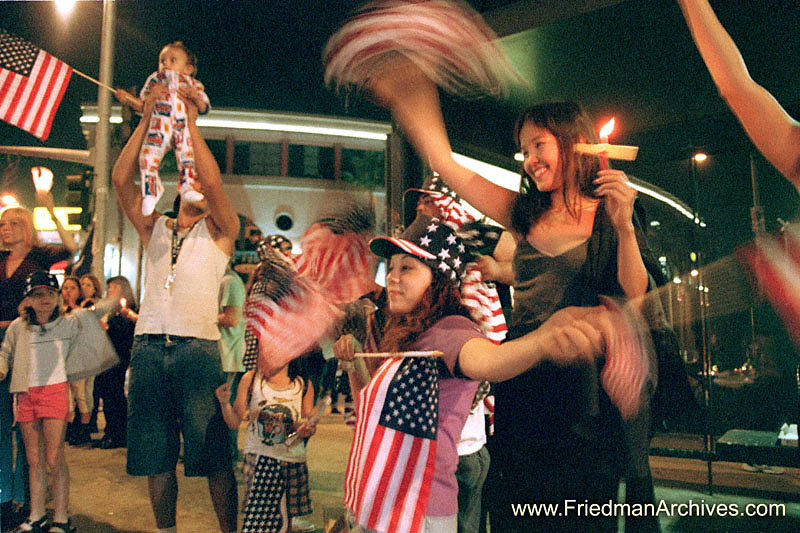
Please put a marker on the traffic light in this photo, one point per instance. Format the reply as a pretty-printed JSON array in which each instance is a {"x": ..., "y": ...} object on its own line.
[{"x": 79, "y": 194}]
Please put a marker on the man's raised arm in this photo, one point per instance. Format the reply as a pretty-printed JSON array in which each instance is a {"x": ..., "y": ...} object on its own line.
[
  {"x": 207, "y": 172},
  {"x": 126, "y": 168}
]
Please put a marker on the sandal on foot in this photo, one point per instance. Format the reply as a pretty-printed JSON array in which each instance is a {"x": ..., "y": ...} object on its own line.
[
  {"x": 61, "y": 527},
  {"x": 30, "y": 526}
]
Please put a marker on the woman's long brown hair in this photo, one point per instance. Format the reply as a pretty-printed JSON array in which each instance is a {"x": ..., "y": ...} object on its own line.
[{"x": 441, "y": 299}]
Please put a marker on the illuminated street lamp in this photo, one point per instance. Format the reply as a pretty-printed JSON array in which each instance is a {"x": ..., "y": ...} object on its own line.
[
  {"x": 65, "y": 6},
  {"x": 42, "y": 179}
]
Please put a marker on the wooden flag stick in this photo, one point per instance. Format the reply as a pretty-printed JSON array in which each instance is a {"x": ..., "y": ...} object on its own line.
[
  {"x": 432, "y": 353},
  {"x": 103, "y": 85}
]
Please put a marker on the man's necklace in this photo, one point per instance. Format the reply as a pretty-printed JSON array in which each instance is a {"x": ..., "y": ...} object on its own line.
[{"x": 177, "y": 243}]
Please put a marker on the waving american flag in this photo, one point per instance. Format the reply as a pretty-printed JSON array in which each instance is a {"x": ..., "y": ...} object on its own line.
[
  {"x": 286, "y": 315},
  {"x": 390, "y": 469}
]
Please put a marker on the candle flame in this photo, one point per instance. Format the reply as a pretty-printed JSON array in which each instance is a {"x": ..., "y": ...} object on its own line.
[
  {"x": 122, "y": 302},
  {"x": 606, "y": 130},
  {"x": 42, "y": 178}
]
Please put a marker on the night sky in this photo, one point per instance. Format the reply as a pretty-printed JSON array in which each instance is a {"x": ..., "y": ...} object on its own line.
[
  {"x": 634, "y": 60},
  {"x": 252, "y": 54}
]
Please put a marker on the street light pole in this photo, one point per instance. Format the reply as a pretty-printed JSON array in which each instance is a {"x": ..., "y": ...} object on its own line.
[{"x": 103, "y": 140}]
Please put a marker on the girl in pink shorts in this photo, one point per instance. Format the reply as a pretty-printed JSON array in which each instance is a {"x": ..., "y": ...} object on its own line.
[{"x": 35, "y": 348}]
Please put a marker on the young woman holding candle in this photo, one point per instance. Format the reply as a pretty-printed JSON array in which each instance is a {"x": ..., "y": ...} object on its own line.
[
  {"x": 110, "y": 385},
  {"x": 558, "y": 434},
  {"x": 425, "y": 313}
]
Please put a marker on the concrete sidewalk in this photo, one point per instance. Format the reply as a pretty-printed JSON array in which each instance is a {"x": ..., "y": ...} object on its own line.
[{"x": 104, "y": 499}]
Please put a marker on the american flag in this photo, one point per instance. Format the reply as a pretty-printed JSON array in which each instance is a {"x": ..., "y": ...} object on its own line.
[
  {"x": 776, "y": 266},
  {"x": 32, "y": 83},
  {"x": 454, "y": 213},
  {"x": 288, "y": 315},
  {"x": 391, "y": 464},
  {"x": 484, "y": 304},
  {"x": 627, "y": 374},
  {"x": 337, "y": 261},
  {"x": 265, "y": 508}
]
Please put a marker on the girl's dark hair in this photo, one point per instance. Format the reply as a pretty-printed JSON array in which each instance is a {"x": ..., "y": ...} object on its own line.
[
  {"x": 189, "y": 54},
  {"x": 570, "y": 125},
  {"x": 441, "y": 299}
]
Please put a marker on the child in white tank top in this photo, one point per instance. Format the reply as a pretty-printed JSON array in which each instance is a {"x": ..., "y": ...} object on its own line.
[{"x": 274, "y": 450}]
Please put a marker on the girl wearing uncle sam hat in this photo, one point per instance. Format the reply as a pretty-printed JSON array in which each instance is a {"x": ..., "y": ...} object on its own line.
[
  {"x": 424, "y": 271},
  {"x": 45, "y": 350}
]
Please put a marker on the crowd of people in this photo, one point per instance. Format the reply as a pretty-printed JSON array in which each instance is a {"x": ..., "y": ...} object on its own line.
[{"x": 570, "y": 240}]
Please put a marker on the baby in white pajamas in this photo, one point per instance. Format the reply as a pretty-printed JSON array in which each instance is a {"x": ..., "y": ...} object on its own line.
[{"x": 167, "y": 129}]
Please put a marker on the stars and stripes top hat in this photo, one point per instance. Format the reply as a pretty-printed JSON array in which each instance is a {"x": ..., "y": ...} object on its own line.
[
  {"x": 445, "y": 198},
  {"x": 432, "y": 242}
]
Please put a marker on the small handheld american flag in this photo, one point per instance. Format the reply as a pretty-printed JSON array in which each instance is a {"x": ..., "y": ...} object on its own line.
[
  {"x": 286, "y": 313},
  {"x": 629, "y": 351}
]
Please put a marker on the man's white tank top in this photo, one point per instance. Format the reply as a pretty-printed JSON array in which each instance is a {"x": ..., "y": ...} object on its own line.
[{"x": 189, "y": 307}]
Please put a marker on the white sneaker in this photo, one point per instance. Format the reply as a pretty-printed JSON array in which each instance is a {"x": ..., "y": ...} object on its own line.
[{"x": 302, "y": 526}]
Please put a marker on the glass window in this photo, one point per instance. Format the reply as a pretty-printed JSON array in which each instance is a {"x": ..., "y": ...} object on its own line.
[
  {"x": 362, "y": 167},
  {"x": 260, "y": 159},
  {"x": 217, "y": 148},
  {"x": 311, "y": 161},
  {"x": 265, "y": 159}
]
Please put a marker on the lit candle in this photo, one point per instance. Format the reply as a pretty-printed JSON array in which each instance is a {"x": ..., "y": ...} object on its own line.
[
  {"x": 123, "y": 302},
  {"x": 42, "y": 178},
  {"x": 606, "y": 151},
  {"x": 605, "y": 131}
]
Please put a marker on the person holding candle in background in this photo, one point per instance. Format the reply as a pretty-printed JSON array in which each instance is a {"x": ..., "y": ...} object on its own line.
[{"x": 110, "y": 385}]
